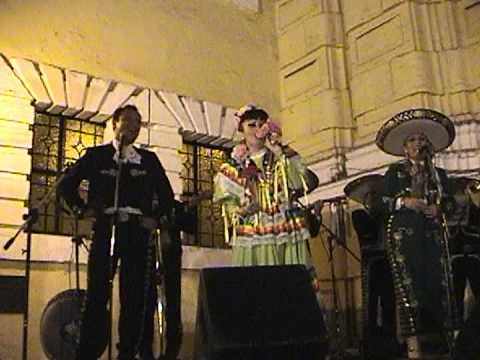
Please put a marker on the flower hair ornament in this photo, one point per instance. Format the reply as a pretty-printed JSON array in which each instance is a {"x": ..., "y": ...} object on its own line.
[
  {"x": 238, "y": 114},
  {"x": 244, "y": 109}
]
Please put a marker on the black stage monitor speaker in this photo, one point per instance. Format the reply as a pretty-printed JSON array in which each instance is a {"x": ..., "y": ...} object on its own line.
[
  {"x": 260, "y": 312},
  {"x": 467, "y": 343}
]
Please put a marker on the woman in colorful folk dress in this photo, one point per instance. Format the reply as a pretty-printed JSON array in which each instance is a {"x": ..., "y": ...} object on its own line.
[{"x": 258, "y": 188}]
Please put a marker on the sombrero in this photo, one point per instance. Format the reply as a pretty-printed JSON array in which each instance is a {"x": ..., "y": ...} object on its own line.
[
  {"x": 437, "y": 127},
  {"x": 359, "y": 188}
]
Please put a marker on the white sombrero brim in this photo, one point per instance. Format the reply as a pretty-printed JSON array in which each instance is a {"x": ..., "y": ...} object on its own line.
[{"x": 435, "y": 126}]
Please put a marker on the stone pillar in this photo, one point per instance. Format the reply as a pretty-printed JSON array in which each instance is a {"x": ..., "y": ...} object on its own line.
[{"x": 315, "y": 101}]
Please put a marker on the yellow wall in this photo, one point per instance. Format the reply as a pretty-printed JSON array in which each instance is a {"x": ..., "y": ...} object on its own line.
[
  {"x": 346, "y": 66},
  {"x": 208, "y": 49}
]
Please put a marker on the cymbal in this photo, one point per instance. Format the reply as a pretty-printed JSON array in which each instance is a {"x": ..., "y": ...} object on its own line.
[
  {"x": 312, "y": 180},
  {"x": 358, "y": 189}
]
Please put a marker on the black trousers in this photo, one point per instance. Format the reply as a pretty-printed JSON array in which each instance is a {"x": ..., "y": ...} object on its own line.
[
  {"x": 465, "y": 266},
  {"x": 171, "y": 277},
  {"x": 132, "y": 243},
  {"x": 381, "y": 290},
  {"x": 467, "y": 346}
]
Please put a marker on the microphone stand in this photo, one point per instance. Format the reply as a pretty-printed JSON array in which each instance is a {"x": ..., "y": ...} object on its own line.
[
  {"x": 339, "y": 353},
  {"x": 331, "y": 234},
  {"x": 445, "y": 251},
  {"x": 338, "y": 350},
  {"x": 30, "y": 218},
  {"x": 77, "y": 241},
  {"x": 114, "y": 222}
]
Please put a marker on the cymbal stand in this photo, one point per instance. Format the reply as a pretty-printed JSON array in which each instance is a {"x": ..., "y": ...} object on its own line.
[
  {"x": 77, "y": 240},
  {"x": 338, "y": 350}
]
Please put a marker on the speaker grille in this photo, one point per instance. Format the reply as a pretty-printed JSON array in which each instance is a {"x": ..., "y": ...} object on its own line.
[{"x": 258, "y": 312}]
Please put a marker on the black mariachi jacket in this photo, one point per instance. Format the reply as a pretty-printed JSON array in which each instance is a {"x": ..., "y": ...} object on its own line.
[
  {"x": 139, "y": 183},
  {"x": 398, "y": 183}
]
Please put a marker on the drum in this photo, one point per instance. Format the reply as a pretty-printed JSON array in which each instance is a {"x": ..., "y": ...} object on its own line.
[{"x": 60, "y": 326}]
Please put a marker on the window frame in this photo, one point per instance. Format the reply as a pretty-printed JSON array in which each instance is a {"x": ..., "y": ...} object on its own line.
[
  {"x": 196, "y": 180},
  {"x": 38, "y": 190}
]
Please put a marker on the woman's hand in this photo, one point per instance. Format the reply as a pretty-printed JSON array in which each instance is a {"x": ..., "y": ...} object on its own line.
[{"x": 273, "y": 143}]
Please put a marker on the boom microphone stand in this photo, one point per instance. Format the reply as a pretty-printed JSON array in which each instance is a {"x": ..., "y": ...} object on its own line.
[
  {"x": 30, "y": 218},
  {"x": 338, "y": 350}
]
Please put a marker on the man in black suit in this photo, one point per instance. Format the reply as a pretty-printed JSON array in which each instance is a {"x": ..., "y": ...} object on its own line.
[
  {"x": 379, "y": 317},
  {"x": 141, "y": 178}
]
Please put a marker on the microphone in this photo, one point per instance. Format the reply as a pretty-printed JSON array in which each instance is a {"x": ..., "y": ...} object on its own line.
[{"x": 121, "y": 145}]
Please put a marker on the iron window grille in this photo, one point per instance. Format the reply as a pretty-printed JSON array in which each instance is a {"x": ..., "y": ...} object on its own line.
[
  {"x": 58, "y": 141},
  {"x": 200, "y": 164}
]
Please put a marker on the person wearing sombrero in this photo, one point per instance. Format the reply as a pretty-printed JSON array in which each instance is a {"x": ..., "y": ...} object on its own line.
[
  {"x": 416, "y": 197},
  {"x": 257, "y": 188}
]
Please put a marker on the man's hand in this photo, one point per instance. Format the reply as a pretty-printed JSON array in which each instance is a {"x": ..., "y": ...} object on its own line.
[
  {"x": 415, "y": 204},
  {"x": 149, "y": 223},
  {"x": 420, "y": 205},
  {"x": 83, "y": 212},
  {"x": 431, "y": 211}
]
